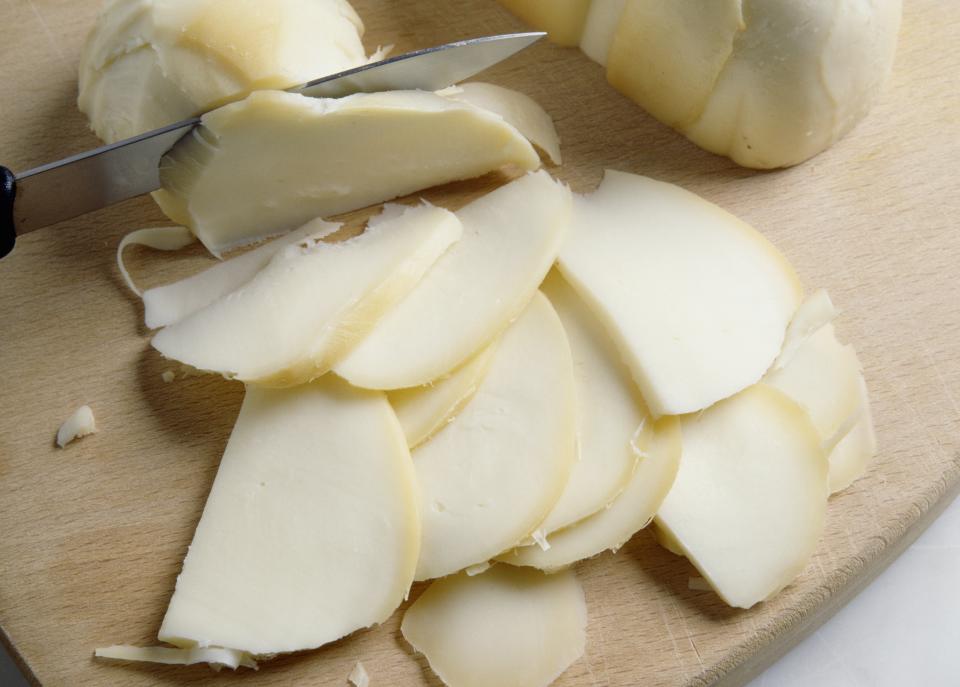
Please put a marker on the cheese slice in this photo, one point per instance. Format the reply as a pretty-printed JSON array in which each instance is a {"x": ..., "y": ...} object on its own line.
[
  {"x": 824, "y": 377},
  {"x": 489, "y": 477},
  {"x": 749, "y": 500},
  {"x": 275, "y": 160},
  {"x": 507, "y": 626},
  {"x": 312, "y": 302},
  {"x": 607, "y": 530},
  {"x": 697, "y": 300},
  {"x": 609, "y": 413},
  {"x": 816, "y": 311},
  {"x": 310, "y": 531},
  {"x": 424, "y": 410},
  {"x": 212, "y": 656},
  {"x": 517, "y": 109},
  {"x": 510, "y": 239},
  {"x": 850, "y": 457},
  {"x": 164, "y": 305}
]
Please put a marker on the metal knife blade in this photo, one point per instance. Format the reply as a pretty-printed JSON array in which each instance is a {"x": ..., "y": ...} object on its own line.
[{"x": 96, "y": 178}]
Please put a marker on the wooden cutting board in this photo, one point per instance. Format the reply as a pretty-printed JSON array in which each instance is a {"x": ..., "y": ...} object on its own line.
[{"x": 91, "y": 537}]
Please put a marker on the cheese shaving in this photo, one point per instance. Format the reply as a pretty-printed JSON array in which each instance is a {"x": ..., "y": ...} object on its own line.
[
  {"x": 80, "y": 424},
  {"x": 216, "y": 657},
  {"x": 359, "y": 676},
  {"x": 541, "y": 539},
  {"x": 158, "y": 238},
  {"x": 477, "y": 569}
]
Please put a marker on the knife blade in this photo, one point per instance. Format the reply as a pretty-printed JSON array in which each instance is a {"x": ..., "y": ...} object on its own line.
[{"x": 97, "y": 178}]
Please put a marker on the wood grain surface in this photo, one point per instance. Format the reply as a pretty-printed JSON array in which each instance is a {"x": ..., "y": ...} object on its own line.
[{"x": 91, "y": 537}]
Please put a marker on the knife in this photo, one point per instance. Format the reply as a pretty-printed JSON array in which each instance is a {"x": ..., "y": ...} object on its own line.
[{"x": 103, "y": 176}]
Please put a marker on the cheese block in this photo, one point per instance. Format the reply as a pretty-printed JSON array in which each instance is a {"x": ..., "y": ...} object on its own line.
[
  {"x": 749, "y": 501},
  {"x": 697, "y": 300},
  {"x": 146, "y": 63},
  {"x": 312, "y": 302},
  {"x": 510, "y": 239},
  {"x": 310, "y": 531},
  {"x": 562, "y": 19},
  {"x": 275, "y": 160},
  {"x": 424, "y": 410},
  {"x": 658, "y": 445},
  {"x": 488, "y": 478},
  {"x": 610, "y": 413},
  {"x": 506, "y": 626},
  {"x": 600, "y": 29}
]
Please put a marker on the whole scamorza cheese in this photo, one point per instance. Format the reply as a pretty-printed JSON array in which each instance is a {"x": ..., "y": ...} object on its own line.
[
  {"x": 148, "y": 63},
  {"x": 768, "y": 84}
]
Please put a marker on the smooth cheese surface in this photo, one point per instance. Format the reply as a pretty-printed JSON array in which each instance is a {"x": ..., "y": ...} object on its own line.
[
  {"x": 749, "y": 501},
  {"x": 509, "y": 627},
  {"x": 610, "y": 412},
  {"x": 275, "y": 160},
  {"x": 563, "y": 20},
  {"x": 697, "y": 300},
  {"x": 659, "y": 446},
  {"x": 148, "y": 63},
  {"x": 424, "y": 410},
  {"x": 310, "y": 531},
  {"x": 511, "y": 237},
  {"x": 852, "y": 454},
  {"x": 314, "y": 300},
  {"x": 489, "y": 477}
]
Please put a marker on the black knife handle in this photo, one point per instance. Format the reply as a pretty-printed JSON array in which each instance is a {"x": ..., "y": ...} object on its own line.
[{"x": 8, "y": 191}]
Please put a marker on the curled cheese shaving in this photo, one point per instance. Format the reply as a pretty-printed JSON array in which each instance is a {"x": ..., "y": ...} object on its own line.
[{"x": 159, "y": 238}]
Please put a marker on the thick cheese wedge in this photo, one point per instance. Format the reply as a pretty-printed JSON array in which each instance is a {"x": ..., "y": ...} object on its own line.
[{"x": 275, "y": 160}]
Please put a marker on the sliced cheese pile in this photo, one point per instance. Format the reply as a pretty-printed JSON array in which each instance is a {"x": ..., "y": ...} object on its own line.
[
  {"x": 506, "y": 626},
  {"x": 312, "y": 301},
  {"x": 275, "y": 160}
]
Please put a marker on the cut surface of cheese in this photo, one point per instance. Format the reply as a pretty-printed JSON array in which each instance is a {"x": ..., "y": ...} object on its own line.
[
  {"x": 510, "y": 239},
  {"x": 79, "y": 424},
  {"x": 311, "y": 529},
  {"x": 816, "y": 311},
  {"x": 146, "y": 64},
  {"x": 749, "y": 500},
  {"x": 563, "y": 20},
  {"x": 517, "y": 109},
  {"x": 607, "y": 530},
  {"x": 697, "y": 300},
  {"x": 489, "y": 477},
  {"x": 506, "y": 627},
  {"x": 610, "y": 412},
  {"x": 312, "y": 302},
  {"x": 164, "y": 305},
  {"x": 850, "y": 457},
  {"x": 824, "y": 377},
  {"x": 214, "y": 656},
  {"x": 275, "y": 160},
  {"x": 424, "y": 410},
  {"x": 600, "y": 29}
]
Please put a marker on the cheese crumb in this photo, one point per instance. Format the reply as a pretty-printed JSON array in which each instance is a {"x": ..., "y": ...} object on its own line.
[
  {"x": 358, "y": 676},
  {"x": 478, "y": 568},
  {"x": 168, "y": 376},
  {"x": 80, "y": 424},
  {"x": 541, "y": 540}
]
